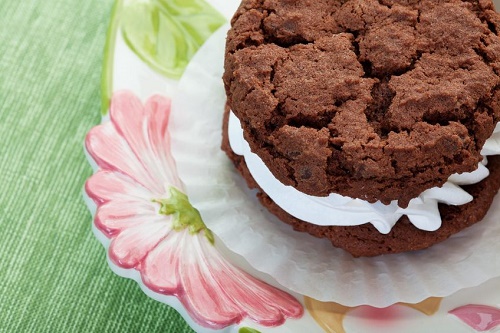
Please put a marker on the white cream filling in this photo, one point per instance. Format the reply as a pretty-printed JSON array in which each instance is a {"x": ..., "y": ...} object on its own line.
[{"x": 339, "y": 210}]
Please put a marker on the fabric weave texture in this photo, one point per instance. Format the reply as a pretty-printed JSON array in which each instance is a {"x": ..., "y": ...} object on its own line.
[{"x": 53, "y": 273}]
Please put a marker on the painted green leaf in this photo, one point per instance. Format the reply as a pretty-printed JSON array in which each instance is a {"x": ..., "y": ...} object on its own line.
[
  {"x": 109, "y": 56},
  {"x": 167, "y": 33},
  {"x": 247, "y": 330}
]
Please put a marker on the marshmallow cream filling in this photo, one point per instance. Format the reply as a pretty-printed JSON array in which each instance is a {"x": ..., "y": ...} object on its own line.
[{"x": 338, "y": 210}]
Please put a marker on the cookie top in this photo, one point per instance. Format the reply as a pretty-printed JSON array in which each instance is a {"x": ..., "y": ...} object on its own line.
[{"x": 377, "y": 100}]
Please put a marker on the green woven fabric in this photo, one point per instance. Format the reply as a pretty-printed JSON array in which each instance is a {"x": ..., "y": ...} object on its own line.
[{"x": 53, "y": 272}]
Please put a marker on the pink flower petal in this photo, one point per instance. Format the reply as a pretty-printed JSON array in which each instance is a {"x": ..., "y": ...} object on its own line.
[
  {"x": 116, "y": 216},
  {"x": 203, "y": 297},
  {"x": 106, "y": 186},
  {"x": 145, "y": 130},
  {"x": 261, "y": 302},
  {"x": 130, "y": 247},
  {"x": 479, "y": 317},
  {"x": 127, "y": 115},
  {"x": 215, "y": 293},
  {"x": 158, "y": 124},
  {"x": 136, "y": 166},
  {"x": 111, "y": 152},
  {"x": 159, "y": 138},
  {"x": 160, "y": 270}
]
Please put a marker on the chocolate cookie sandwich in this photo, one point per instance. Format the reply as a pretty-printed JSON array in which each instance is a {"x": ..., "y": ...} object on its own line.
[{"x": 370, "y": 123}]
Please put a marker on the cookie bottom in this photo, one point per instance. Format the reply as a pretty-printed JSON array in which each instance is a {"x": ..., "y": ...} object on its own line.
[{"x": 364, "y": 240}]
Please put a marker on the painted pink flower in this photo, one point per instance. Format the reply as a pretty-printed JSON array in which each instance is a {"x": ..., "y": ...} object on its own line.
[
  {"x": 142, "y": 208},
  {"x": 479, "y": 317}
]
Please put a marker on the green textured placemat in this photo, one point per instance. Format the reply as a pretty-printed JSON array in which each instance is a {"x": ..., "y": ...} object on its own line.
[{"x": 53, "y": 272}]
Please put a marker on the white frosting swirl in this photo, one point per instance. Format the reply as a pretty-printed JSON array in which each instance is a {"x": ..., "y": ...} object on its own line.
[{"x": 339, "y": 210}]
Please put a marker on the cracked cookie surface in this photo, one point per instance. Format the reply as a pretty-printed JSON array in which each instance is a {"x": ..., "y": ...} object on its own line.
[{"x": 377, "y": 100}]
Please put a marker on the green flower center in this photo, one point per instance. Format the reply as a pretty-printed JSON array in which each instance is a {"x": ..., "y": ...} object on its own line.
[{"x": 184, "y": 214}]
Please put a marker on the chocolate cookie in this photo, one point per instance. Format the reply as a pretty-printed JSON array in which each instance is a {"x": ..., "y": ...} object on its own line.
[
  {"x": 394, "y": 95},
  {"x": 365, "y": 240}
]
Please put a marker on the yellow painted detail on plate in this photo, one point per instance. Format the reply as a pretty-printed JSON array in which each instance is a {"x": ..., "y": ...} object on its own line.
[
  {"x": 428, "y": 307},
  {"x": 330, "y": 316}
]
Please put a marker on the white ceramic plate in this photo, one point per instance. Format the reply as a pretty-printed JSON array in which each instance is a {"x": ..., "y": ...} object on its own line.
[{"x": 198, "y": 95}]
